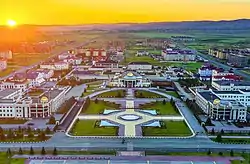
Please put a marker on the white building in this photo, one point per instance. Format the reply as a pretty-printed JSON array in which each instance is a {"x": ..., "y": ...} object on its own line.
[
  {"x": 3, "y": 64},
  {"x": 30, "y": 106},
  {"x": 46, "y": 73},
  {"x": 6, "y": 54},
  {"x": 139, "y": 66},
  {"x": 130, "y": 80},
  {"x": 230, "y": 85},
  {"x": 55, "y": 66},
  {"x": 73, "y": 60},
  {"x": 178, "y": 55},
  {"x": 9, "y": 84},
  {"x": 65, "y": 55},
  {"x": 219, "y": 108},
  {"x": 142, "y": 53},
  {"x": 35, "y": 79}
]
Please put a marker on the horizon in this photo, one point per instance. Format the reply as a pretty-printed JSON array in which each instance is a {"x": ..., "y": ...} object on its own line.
[
  {"x": 113, "y": 23},
  {"x": 82, "y": 12}
]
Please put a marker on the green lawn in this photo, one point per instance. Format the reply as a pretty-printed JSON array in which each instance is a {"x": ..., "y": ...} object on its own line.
[
  {"x": 96, "y": 108},
  {"x": 146, "y": 94},
  {"x": 171, "y": 128},
  {"x": 89, "y": 128},
  {"x": 12, "y": 121},
  {"x": 171, "y": 93},
  {"x": 5, "y": 160},
  {"x": 116, "y": 93},
  {"x": 162, "y": 109},
  {"x": 193, "y": 67}
]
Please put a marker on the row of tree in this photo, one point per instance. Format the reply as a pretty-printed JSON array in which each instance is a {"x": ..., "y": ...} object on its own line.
[{"x": 31, "y": 151}]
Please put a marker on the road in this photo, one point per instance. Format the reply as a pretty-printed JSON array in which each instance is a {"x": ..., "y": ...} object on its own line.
[
  {"x": 226, "y": 67},
  {"x": 25, "y": 68},
  {"x": 199, "y": 142}
]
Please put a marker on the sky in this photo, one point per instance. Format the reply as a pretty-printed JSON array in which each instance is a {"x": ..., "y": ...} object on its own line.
[{"x": 68, "y": 12}]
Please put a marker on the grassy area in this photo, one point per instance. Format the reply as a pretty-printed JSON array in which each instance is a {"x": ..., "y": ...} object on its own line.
[
  {"x": 171, "y": 93},
  {"x": 146, "y": 94},
  {"x": 96, "y": 108},
  {"x": 154, "y": 34},
  {"x": 90, "y": 128},
  {"x": 116, "y": 93},
  {"x": 5, "y": 160},
  {"x": 162, "y": 109},
  {"x": 24, "y": 139},
  {"x": 193, "y": 67},
  {"x": 130, "y": 57},
  {"x": 12, "y": 121},
  {"x": 168, "y": 128}
]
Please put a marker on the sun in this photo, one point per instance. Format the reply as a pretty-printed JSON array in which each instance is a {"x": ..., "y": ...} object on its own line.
[{"x": 11, "y": 23}]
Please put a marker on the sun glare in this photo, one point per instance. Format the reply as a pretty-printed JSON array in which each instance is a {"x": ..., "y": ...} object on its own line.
[{"x": 11, "y": 23}]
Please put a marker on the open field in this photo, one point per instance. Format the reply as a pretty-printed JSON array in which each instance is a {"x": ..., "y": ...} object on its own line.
[
  {"x": 89, "y": 128},
  {"x": 99, "y": 107},
  {"x": 146, "y": 94},
  {"x": 154, "y": 34},
  {"x": 171, "y": 128},
  {"x": 161, "y": 109}
]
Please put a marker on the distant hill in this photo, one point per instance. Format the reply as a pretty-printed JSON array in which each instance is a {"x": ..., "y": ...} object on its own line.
[{"x": 240, "y": 24}]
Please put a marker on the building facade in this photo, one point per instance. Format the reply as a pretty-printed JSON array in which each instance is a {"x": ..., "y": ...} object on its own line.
[
  {"x": 6, "y": 54},
  {"x": 130, "y": 80},
  {"x": 178, "y": 55},
  {"x": 220, "y": 108},
  {"x": 238, "y": 60},
  {"x": 230, "y": 85},
  {"x": 3, "y": 64},
  {"x": 139, "y": 66}
]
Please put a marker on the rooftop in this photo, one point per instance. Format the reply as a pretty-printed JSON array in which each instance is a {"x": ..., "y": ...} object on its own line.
[
  {"x": 208, "y": 95},
  {"x": 7, "y": 92},
  {"x": 139, "y": 63},
  {"x": 236, "y": 83},
  {"x": 227, "y": 92}
]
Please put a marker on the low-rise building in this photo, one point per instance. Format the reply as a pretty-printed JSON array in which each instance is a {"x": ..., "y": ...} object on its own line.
[
  {"x": 178, "y": 55},
  {"x": 130, "y": 80},
  {"x": 55, "y": 66},
  {"x": 93, "y": 54},
  {"x": 12, "y": 84},
  {"x": 183, "y": 38},
  {"x": 3, "y": 64},
  {"x": 106, "y": 64},
  {"x": 238, "y": 60},
  {"x": 142, "y": 53},
  {"x": 139, "y": 66},
  {"x": 230, "y": 85},
  {"x": 73, "y": 60},
  {"x": 221, "y": 54},
  {"x": 219, "y": 108}
]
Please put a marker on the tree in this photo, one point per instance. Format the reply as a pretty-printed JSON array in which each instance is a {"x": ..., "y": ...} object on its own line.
[
  {"x": 96, "y": 101},
  {"x": 30, "y": 135},
  {"x": 208, "y": 122},
  {"x": 218, "y": 138},
  {"x": 164, "y": 102},
  {"x": 2, "y": 136},
  {"x": 10, "y": 134},
  {"x": 43, "y": 152},
  {"x": 42, "y": 136},
  {"x": 20, "y": 152},
  {"x": 55, "y": 128},
  {"x": 29, "y": 130},
  {"x": 222, "y": 131},
  {"x": 52, "y": 120},
  {"x": 19, "y": 129},
  {"x": 47, "y": 131},
  {"x": 55, "y": 151},
  {"x": 85, "y": 90},
  {"x": 220, "y": 153},
  {"x": 231, "y": 153},
  {"x": 31, "y": 151},
  {"x": 141, "y": 95},
  {"x": 172, "y": 100},
  {"x": 8, "y": 153},
  {"x": 209, "y": 152},
  {"x": 1, "y": 130},
  {"x": 213, "y": 132}
]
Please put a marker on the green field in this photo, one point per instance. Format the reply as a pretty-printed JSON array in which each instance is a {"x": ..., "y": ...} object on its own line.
[
  {"x": 146, "y": 94},
  {"x": 97, "y": 108},
  {"x": 162, "y": 109},
  {"x": 171, "y": 128},
  {"x": 193, "y": 67},
  {"x": 171, "y": 93},
  {"x": 89, "y": 128},
  {"x": 117, "y": 93},
  {"x": 234, "y": 140},
  {"x": 154, "y": 34}
]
